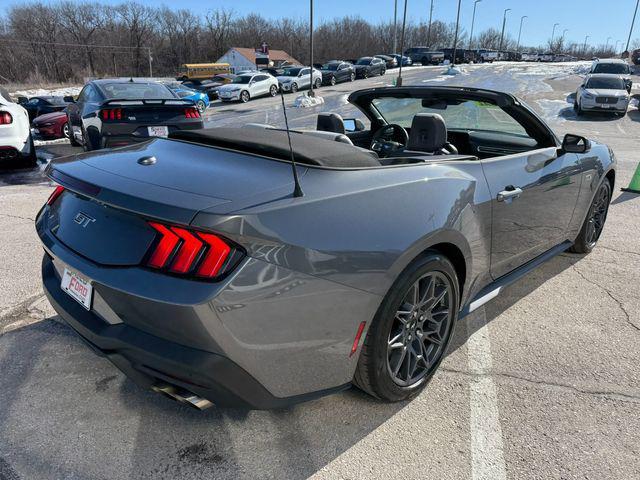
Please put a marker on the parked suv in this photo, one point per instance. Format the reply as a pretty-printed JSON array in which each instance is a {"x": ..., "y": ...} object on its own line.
[
  {"x": 614, "y": 66},
  {"x": 425, "y": 56},
  {"x": 369, "y": 66},
  {"x": 602, "y": 92}
]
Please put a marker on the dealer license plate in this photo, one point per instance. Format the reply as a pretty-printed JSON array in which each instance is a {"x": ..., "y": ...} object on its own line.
[
  {"x": 77, "y": 287},
  {"x": 158, "y": 131}
]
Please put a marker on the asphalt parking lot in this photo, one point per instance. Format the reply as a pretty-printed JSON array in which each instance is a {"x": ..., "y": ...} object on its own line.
[{"x": 542, "y": 382}]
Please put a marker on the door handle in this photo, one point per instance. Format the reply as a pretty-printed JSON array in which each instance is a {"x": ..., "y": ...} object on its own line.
[{"x": 509, "y": 193}]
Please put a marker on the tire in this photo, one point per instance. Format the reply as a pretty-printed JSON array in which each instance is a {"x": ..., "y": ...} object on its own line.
[
  {"x": 273, "y": 90},
  {"x": 352, "y": 77},
  {"x": 578, "y": 110},
  {"x": 375, "y": 371},
  {"x": 65, "y": 132},
  {"x": 332, "y": 80},
  {"x": 201, "y": 106},
  {"x": 594, "y": 222},
  {"x": 365, "y": 74},
  {"x": 383, "y": 71},
  {"x": 317, "y": 84},
  {"x": 72, "y": 139},
  {"x": 30, "y": 160},
  {"x": 294, "y": 87},
  {"x": 244, "y": 96}
]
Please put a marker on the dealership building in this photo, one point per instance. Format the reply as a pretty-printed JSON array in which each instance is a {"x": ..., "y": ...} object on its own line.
[{"x": 245, "y": 58}]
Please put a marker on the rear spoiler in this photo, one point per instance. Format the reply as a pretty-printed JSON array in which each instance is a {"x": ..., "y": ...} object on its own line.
[{"x": 149, "y": 102}]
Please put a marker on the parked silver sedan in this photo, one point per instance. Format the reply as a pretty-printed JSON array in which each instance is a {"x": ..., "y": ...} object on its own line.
[
  {"x": 296, "y": 78},
  {"x": 602, "y": 92}
]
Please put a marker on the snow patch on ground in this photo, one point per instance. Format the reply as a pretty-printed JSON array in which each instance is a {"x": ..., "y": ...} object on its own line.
[
  {"x": 304, "y": 101},
  {"x": 57, "y": 141},
  {"x": 56, "y": 92},
  {"x": 553, "y": 110}
]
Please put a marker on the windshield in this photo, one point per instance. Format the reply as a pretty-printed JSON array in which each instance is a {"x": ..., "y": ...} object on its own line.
[
  {"x": 606, "y": 83},
  {"x": 291, "y": 72},
  {"x": 461, "y": 115},
  {"x": 364, "y": 61},
  {"x": 618, "y": 68},
  {"x": 330, "y": 66},
  {"x": 244, "y": 79},
  {"x": 137, "y": 91}
]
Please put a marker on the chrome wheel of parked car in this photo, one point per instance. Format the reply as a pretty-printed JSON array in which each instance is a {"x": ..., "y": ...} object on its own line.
[
  {"x": 332, "y": 80},
  {"x": 317, "y": 83},
  {"x": 352, "y": 77},
  {"x": 65, "y": 131},
  {"x": 594, "y": 223},
  {"x": 419, "y": 329},
  {"x": 244, "y": 96},
  {"x": 273, "y": 91},
  {"x": 294, "y": 87},
  {"x": 201, "y": 106},
  {"x": 72, "y": 138}
]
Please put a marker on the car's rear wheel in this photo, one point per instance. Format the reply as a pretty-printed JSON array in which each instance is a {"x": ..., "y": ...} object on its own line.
[
  {"x": 244, "y": 96},
  {"x": 365, "y": 74},
  {"x": 352, "y": 77},
  {"x": 409, "y": 335},
  {"x": 383, "y": 71},
  {"x": 201, "y": 106},
  {"x": 65, "y": 131},
  {"x": 332, "y": 80},
  {"x": 294, "y": 87},
  {"x": 273, "y": 91},
  {"x": 317, "y": 83},
  {"x": 594, "y": 223}
]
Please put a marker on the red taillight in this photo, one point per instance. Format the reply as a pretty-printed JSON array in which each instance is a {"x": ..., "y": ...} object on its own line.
[
  {"x": 55, "y": 194},
  {"x": 111, "y": 113},
  {"x": 188, "y": 252},
  {"x": 191, "y": 113},
  {"x": 5, "y": 118}
]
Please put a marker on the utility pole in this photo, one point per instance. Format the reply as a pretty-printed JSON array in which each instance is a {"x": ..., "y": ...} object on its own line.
[
  {"x": 584, "y": 48},
  {"x": 115, "y": 65},
  {"x": 429, "y": 28},
  {"x": 606, "y": 45},
  {"x": 504, "y": 22},
  {"x": 395, "y": 27},
  {"x": 311, "y": 92},
  {"x": 520, "y": 32},
  {"x": 404, "y": 23},
  {"x": 150, "y": 60},
  {"x": 473, "y": 20},
  {"x": 455, "y": 37},
  {"x": 632, "y": 23}
]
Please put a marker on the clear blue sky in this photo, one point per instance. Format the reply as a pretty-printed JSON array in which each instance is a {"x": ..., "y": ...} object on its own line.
[{"x": 598, "y": 18}]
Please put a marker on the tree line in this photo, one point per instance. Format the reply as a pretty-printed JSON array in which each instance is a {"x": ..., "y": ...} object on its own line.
[{"x": 69, "y": 40}]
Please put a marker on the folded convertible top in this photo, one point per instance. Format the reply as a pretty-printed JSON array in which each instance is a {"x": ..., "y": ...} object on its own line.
[{"x": 274, "y": 143}]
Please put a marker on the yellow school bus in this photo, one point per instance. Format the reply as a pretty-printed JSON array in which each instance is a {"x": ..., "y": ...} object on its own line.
[{"x": 200, "y": 71}]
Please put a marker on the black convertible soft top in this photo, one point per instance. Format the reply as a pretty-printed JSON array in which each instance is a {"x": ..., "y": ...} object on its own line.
[{"x": 274, "y": 143}]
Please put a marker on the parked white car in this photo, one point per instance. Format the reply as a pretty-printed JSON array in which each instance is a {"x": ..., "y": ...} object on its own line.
[
  {"x": 16, "y": 144},
  {"x": 247, "y": 86},
  {"x": 602, "y": 92},
  {"x": 296, "y": 78}
]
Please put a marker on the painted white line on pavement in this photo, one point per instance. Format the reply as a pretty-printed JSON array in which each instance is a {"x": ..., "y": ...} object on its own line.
[{"x": 487, "y": 456}]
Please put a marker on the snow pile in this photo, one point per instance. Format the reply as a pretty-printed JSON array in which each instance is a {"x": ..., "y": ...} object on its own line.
[
  {"x": 453, "y": 70},
  {"x": 54, "y": 92},
  {"x": 304, "y": 101}
]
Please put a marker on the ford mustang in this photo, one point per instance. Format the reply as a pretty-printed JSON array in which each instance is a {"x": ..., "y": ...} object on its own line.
[{"x": 204, "y": 269}]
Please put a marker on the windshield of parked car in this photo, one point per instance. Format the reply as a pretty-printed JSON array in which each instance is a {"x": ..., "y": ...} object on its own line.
[
  {"x": 244, "y": 79},
  {"x": 330, "y": 66},
  {"x": 606, "y": 83},
  {"x": 364, "y": 61},
  {"x": 136, "y": 91},
  {"x": 618, "y": 68},
  {"x": 291, "y": 72},
  {"x": 459, "y": 115}
]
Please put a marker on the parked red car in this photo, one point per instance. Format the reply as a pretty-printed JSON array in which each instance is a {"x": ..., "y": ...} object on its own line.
[{"x": 51, "y": 125}]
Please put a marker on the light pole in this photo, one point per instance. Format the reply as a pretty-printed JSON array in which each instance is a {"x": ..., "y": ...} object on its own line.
[
  {"x": 504, "y": 22},
  {"x": 311, "y": 92},
  {"x": 429, "y": 29},
  {"x": 564, "y": 32},
  {"x": 553, "y": 32},
  {"x": 473, "y": 20},
  {"x": 404, "y": 23},
  {"x": 520, "y": 31},
  {"x": 455, "y": 37},
  {"x": 632, "y": 23},
  {"x": 617, "y": 42},
  {"x": 584, "y": 48},
  {"x": 606, "y": 45},
  {"x": 395, "y": 27}
]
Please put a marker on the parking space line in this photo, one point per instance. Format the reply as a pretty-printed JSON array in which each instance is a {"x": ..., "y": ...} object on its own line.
[{"x": 487, "y": 455}]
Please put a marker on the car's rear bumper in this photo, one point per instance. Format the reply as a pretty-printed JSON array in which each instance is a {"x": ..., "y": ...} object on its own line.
[
  {"x": 149, "y": 360},
  {"x": 115, "y": 135}
]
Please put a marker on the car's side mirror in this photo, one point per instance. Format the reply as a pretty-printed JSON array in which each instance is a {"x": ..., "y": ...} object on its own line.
[
  {"x": 575, "y": 144},
  {"x": 353, "y": 125}
]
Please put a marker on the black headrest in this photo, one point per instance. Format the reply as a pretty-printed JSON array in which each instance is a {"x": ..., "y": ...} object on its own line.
[
  {"x": 428, "y": 133},
  {"x": 330, "y": 122}
]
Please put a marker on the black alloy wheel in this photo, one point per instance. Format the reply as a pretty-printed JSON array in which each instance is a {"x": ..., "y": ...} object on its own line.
[{"x": 596, "y": 218}]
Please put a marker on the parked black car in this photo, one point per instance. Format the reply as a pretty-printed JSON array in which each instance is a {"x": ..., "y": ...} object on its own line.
[
  {"x": 389, "y": 60},
  {"x": 406, "y": 61},
  {"x": 460, "y": 56},
  {"x": 368, "y": 66},
  {"x": 210, "y": 87},
  {"x": 115, "y": 112},
  {"x": 337, "y": 71},
  {"x": 37, "y": 106},
  {"x": 425, "y": 56}
]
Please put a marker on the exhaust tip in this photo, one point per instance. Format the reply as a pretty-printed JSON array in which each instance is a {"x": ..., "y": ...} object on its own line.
[{"x": 183, "y": 396}]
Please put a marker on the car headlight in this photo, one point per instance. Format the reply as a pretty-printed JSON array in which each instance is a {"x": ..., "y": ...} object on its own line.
[{"x": 588, "y": 96}]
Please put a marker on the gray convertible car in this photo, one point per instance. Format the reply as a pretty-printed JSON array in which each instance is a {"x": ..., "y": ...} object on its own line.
[{"x": 201, "y": 270}]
